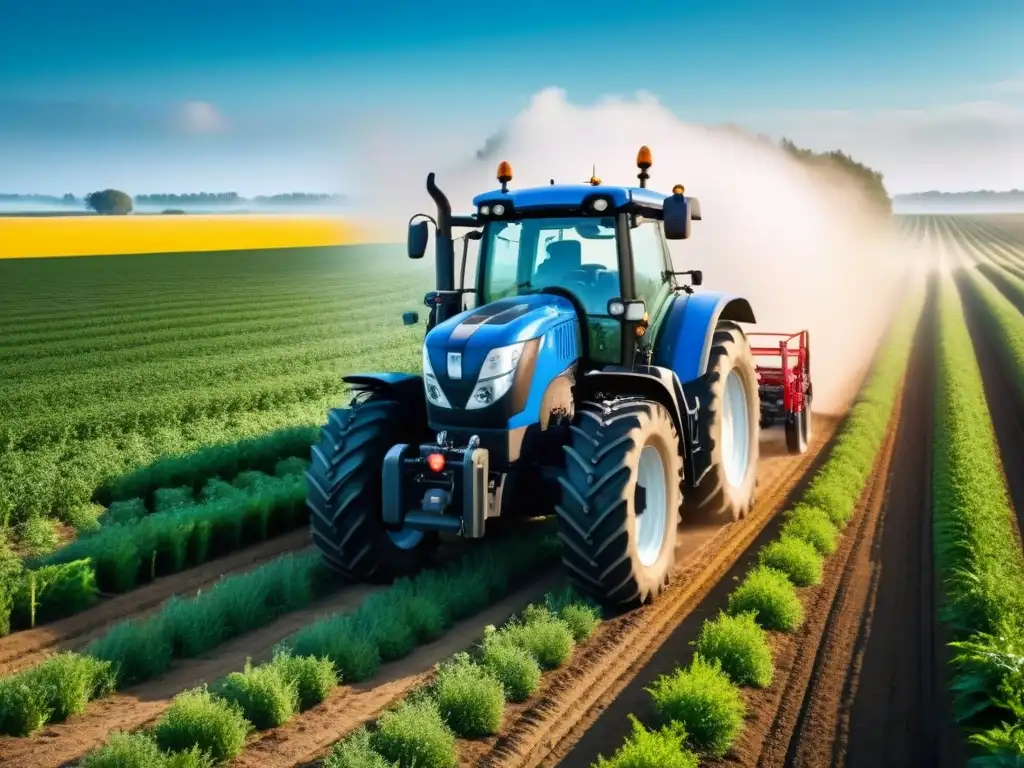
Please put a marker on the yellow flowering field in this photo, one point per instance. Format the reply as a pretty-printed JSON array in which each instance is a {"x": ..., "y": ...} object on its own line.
[{"x": 49, "y": 236}]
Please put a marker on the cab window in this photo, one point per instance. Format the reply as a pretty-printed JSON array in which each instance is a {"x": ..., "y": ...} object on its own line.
[{"x": 650, "y": 262}]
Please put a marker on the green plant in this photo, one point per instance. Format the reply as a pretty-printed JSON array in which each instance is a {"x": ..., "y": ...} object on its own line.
[
  {"x": 812, "y": 525},
  {"x": 771, "y": 597},
  {"x": 22, "y": 709},
  {"x": 581, "y": 614},
  {"x": 340, "y": 639},
  {"x": 470, "y": 699},
  {"x": 413, "y": 733},
  {"x": 794, "y": 557},
  {"x": 67, "y": 682},
  {"x": 740, "y": 646},
  {"x": 356, "y": 751},
  {"x": 705, "y": 701},
  {"x": 126, "y": 750},
  {"x": 138, "y": 649},
  {"x": 547, "y": 638},
  {"x": 514, "y": 666},
  {"x": 663, "y": 748},
  {"x": 262, "y": 694},
  {"x": 312, "y": 678},
  {"x": 196, "y": 718},
  {"x": 52, "y": 592}
]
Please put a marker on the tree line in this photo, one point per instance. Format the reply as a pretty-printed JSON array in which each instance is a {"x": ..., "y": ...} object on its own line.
[{"x": 868, "y": 179}]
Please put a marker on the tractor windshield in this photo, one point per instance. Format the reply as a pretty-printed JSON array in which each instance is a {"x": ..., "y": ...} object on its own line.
[{"x": 579, "y": 255}]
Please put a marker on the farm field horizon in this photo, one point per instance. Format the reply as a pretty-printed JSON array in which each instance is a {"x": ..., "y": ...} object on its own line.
[{"x": 156, "y": 421}]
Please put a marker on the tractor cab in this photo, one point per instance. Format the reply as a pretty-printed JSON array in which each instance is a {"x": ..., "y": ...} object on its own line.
[{"x": 601, "y": 248}]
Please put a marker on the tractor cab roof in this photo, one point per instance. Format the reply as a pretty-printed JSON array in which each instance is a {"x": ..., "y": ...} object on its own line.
[{"x": 568, "y": 199}]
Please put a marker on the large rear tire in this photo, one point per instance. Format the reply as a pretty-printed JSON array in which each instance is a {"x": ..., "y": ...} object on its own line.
[
  {"x": 620, "y": 496},
  {"x": 729, "y": 415},
  {"x": 344, "y": 495}
]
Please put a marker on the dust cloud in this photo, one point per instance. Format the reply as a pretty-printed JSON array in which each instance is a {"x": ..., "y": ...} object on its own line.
[{"x": 799, "y": 244}]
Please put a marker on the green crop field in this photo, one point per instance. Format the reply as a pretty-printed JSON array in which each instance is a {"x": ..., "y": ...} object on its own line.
[
  {"x": 110, "y": 363},
  {"x": 161, "y": 603}
]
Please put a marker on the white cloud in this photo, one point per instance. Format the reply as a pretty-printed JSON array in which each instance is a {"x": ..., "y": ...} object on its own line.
[
  {"x": 1013, "y": 85},
  {"x": 201, "y": 117}
]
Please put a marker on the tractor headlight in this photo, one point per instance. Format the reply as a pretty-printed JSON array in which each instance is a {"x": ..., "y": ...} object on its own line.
[
  {"x": 435, "y": 395},
  {"x": 496, "y": 376}
]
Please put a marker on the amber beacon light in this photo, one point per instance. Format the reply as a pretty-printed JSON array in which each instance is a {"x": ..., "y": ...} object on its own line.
[
  {"x": 504, "y": 174},
  {"x": 643, "y": 162}
]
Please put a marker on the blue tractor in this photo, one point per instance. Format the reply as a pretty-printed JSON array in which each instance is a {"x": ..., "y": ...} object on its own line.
[{"x": 588, "y": 380}]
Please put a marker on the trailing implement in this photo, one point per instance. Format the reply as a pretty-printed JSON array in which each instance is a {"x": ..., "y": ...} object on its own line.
[{"x": 579, "y": 374}]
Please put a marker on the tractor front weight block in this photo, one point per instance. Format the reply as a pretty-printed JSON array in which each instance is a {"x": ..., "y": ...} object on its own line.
[{"x": 434, "y": 488}]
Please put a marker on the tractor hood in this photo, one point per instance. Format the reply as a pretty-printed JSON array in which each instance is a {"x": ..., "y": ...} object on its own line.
[{"x": 455, "y": 351}]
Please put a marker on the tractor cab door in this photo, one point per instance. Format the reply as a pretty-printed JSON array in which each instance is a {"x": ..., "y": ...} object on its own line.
[{"x": 652, "y": 267}]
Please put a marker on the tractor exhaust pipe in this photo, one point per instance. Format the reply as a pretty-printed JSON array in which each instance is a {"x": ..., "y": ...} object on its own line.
[{"x": 444, "y": 257}]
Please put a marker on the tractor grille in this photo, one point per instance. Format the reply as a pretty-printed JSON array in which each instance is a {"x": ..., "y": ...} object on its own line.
[{"x": 565, "y": 342}]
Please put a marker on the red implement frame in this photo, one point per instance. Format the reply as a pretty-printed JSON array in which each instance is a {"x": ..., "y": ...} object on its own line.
[{"x": 793, "y": 375}]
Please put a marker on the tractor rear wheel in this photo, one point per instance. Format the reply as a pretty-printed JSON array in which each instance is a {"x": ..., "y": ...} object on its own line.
[
  {"x": 729, "y": 415},
  {"x": 344, "y": 495},
  {"x": 619, "y": 506}
]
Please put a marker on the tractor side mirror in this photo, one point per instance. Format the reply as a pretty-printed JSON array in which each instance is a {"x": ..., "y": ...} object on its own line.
[
  {"x": 694, "y": 208},
  {"x": 677, "y": 215},
  {"x": 418, "y": 235},
  {"x": 410, "y": 318},
  {"x": 696, "y": 277}
]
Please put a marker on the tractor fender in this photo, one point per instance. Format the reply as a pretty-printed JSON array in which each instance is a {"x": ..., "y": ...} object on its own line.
[
  {"x": 655, "y": 383},
  {"x": 404, "y": 388},
  {"x": 684, "y": 341}
]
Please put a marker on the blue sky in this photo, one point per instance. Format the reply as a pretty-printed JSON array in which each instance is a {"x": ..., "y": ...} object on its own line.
[{"x": 262, "y": 97}]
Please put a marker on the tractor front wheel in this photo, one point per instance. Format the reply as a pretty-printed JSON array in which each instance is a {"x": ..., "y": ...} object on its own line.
[
  {"x": 729, "y": 415},
  {"x": 344, "y": 495},
  {"x": 620, "y": 496}
]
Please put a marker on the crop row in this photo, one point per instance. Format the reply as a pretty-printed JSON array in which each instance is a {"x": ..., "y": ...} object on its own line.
[
  {"x": 152, "y": 377},
  {"x": 59, "y": 481},
  {"x": 148, "y": 414},
  {"x": 135, "y": 650},
  {"x": 273, "y": 310},
  {"x": 701, "y": 708},
  {"x": 134, "y": 546},
  {"x": 344, "y": 647},
  {"x": 466, "y": 698},
  {"x": 977, "y": 546}
]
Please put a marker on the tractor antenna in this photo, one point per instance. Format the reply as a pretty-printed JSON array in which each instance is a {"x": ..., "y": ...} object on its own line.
[{"x": 594, "y": 181}]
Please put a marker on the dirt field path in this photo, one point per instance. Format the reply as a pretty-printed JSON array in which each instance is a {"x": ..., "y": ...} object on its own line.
[
  {"x": 864, "y": 683},
  {"x": 28, "y": 647}
]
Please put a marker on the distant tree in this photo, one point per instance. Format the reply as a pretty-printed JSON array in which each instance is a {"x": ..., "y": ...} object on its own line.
[
  {"x": 869, "y": 180},
  {"x": 109, "y": 202},
  {"x": 70, "y": 199}
]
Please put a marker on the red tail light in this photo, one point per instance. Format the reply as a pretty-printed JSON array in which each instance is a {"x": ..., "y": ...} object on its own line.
[{"x": 436, "y": 462}]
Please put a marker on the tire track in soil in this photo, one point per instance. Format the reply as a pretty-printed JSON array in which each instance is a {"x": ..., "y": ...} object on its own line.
[
  {"x": 572, "y": 702},
  {"x": 896, "y": 708},
  {"x": 27, "y": 647}
]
